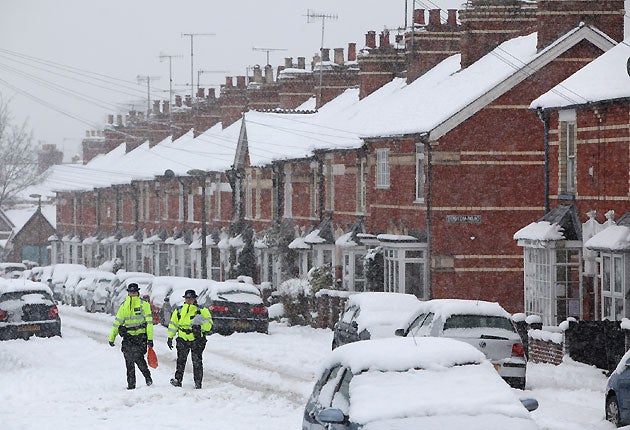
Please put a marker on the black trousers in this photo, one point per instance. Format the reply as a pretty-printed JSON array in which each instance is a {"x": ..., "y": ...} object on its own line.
[
  {"x": 195, "y": 348},
  {"x": 133, "y": 349}
]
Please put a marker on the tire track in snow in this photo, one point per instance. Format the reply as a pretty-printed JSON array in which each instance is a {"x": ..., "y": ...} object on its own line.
[{"x": 222, "y": 366}]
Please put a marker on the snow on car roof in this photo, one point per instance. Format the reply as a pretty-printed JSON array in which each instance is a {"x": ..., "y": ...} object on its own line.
[
  {"x": 12, "y": 285},
  {"x": 444, "y": 308},
  {"x": 381, "y": 313},
  {"x": 455, "y": 393},
  {"x": 400, "y": 354},
  {"x": 121, "y": 274}
]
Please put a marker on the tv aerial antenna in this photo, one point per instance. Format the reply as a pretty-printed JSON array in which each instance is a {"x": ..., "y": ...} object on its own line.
[
  {"x": 311, "y": 17},
  {"x": 267, "y": 50}
]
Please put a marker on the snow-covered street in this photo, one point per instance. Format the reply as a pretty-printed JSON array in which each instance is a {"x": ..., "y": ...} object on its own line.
[{"x": 252, "y": 381}]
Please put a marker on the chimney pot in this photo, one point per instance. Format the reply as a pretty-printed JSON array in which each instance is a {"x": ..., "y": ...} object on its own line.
[
  {"x": 352, "y": 51},
  {"x": 339, "y": 56},
  {"x": 434, "y": 18},
  {"x": 258, "y": 77},
  {"x": 452, "y": 17},
  {"x": 418, "y": 17},
  {"x": 268, "y": 74},
  {"x": 384, "y": 42},
  {"x": 301, "y": 62},
  {"x": 370, "y": 39},
  {"x": 288, "y": 62}
]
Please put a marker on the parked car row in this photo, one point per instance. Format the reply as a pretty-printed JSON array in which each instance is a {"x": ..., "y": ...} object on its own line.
[{"x": 236, "y": 305}]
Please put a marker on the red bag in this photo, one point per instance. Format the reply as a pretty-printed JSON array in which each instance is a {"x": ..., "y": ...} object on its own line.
[{"x": 152, "y": 359}]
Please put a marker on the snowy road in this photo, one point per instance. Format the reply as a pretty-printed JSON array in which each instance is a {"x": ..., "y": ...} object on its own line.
[{"x": 252, "y": 381}]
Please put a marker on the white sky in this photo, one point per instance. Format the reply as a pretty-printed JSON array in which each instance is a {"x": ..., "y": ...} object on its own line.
[
  {"x": 252, "y": 381},
  {"x": 123, "y": 39}
]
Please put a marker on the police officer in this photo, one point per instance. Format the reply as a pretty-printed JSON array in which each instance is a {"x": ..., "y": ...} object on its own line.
[
  {"x": 191, "y": 323},
  {"x": 135, "y": 324}
]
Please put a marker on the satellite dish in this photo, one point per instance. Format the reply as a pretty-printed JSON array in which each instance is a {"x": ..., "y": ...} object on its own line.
[{"x": 168, "y": 173}]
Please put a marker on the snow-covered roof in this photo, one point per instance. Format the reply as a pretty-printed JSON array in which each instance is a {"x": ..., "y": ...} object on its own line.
[
  {"x": 540, "y": 231},
  {"x": 20, "y": 216},
  {"x": 605, "y": 78},
  {"x": 613, "y": 238}
]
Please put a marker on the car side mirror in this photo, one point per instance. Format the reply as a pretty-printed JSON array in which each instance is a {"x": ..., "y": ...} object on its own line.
[
  {"x": 331, "y": 416},
  {"x": 628, "y": 363},
  {"x": 400, "y": 332},
  {"x": 530, "y": 404}
]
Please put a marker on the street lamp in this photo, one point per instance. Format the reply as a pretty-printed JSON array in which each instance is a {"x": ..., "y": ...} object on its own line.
[{"x": 202, "y": 174}]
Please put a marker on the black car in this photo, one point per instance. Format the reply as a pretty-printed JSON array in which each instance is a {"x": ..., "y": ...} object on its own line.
[
  {"x": 235, "y": 307},
  {"x": 27, "y": 309}
]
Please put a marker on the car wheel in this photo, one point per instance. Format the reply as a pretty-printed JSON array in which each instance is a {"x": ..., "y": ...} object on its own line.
[{"x": 612, "y": 410}]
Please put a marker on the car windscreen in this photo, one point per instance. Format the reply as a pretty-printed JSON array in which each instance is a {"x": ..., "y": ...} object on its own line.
[{"x": 478, "y": 321}]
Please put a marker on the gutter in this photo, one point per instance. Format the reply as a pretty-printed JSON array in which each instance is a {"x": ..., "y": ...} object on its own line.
[{"x": 542, "y": 115}]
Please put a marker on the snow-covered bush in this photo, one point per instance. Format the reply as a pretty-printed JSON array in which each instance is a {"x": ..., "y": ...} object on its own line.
[{"x": 294, "y": 296}]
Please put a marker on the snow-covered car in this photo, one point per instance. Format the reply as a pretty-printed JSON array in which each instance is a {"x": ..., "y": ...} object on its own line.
[
  {"x": 157, "y": 290},
  {"x": 424, "y": 383},
  {"x": 11, "y": 270},
  {"x": 68, "y": 296},
  {"x": 27, "y": 309},
  {"x": 119, "y": 288},
  {"x": 484, "y": 325},
  {"x": 235, "y": 307},
  {"x": 372, "y": 315},
  {"x": 57, "y": 275},
  {"x": 175, "y": 298},
  {"x": 99, "y": 290},
  {"x": 618, "y": 393}
]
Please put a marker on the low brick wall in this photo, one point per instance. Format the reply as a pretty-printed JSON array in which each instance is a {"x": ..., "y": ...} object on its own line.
[{"x": 541, "y": 351}]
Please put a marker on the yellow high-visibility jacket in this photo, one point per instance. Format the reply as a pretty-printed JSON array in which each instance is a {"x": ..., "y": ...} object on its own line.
[
  {"x": 135, "y": 315},
  {"x": 183, "y": 319}
]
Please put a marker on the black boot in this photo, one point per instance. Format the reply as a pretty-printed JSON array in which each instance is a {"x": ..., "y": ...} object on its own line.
[
  {"x": 176, "y": 382},
  {"x": 149, "y": 381}
]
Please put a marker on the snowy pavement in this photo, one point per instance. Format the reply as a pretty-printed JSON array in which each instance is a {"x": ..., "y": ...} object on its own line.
[{"x": 252, "y": 381}]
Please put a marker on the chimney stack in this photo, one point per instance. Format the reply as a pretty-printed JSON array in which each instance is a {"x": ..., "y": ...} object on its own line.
[
  {"x": 452, "y": 17},
  {"x": 119, "y": 120},
  {"x": 201, "y": 93},
  {"x": 211, "y": 93},
  {"x": 325, "y": 54},
  {"x": 228, "y": 82},
  {"x": 418, "y": 17},
  {"x": 268, "y": 74},
  {"x": 188, "y": 101},
  {"x": 110, "y": 119},
  {"x": 258, "y": 74},
  {"x": 370, "y": 39},
  {"x": 156, "y": 107},
  {"x": 178, "y": 101},
  {"x": 352, "y": 51},
  {"x": 240, "y": 82},
  {"x": 302, "y": 63},
  {"x": 339, "y": 56},
  {"x": 165, "y": 107},
  {"x": 288, "y": 62},
  {"x": 434, "y": 19}
]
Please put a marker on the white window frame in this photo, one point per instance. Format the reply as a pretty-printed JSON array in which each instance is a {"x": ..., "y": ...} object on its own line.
[
  {"x": 570, "y": 155},
  {"x": 545, "y": 291},
  {"x": 382, "y": 168},
  {"x": 395, "y": 260},
  {"x": 613, "y": 289},
  {"x": 191, "y": 207},
  {"x": 180, "y": 202},
  {"x": 361, "y": 187},
  {"x": 288, "y": 192},
  {"x": 248, "y": 196}
]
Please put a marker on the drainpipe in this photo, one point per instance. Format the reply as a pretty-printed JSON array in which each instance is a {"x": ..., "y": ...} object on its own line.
[
  {"x": 545, "y": 119},
  {"x": 424, "y": 138}
]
